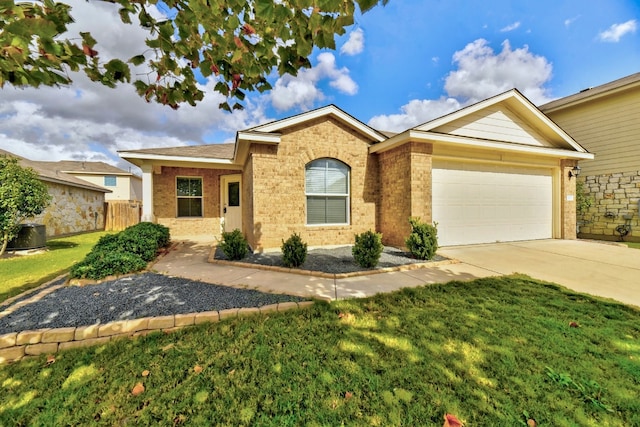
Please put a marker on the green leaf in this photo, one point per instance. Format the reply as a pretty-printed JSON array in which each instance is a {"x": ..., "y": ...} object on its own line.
[
  {"x": 125, "y": 15},
  {"x": 88, "y": 39},
  {"x": 137, "y": 60}
]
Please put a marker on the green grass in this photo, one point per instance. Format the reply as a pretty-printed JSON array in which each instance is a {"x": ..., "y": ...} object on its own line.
[
  {"x": 21, "y": 273},
  {"x": 493, "y": 351},
  {"x": 633, "y": 245}
]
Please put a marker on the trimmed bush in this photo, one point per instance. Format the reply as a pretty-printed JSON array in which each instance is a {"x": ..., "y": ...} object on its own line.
[
  {"x": 234, "y": 245},
  {"x": 98, "y": 265},
  {"x": 423, "y": 240},
  {"x": 294, "y": 251},
  {"x": 157, "y": 232},
  {"x": 367, "y": 249},
  {"x": 125, "y": 252}
]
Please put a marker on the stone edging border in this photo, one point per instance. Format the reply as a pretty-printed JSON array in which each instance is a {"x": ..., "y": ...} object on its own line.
[
  {"x": 407, "y": 267},
  {"x": 16, "y": 345}
]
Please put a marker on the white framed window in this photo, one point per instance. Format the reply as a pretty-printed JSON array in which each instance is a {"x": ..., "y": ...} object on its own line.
[
  {"x": 327, "y": 191},
  {"x": 189, "y": 195}
]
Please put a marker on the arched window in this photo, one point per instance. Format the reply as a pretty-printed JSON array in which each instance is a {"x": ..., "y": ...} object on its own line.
[{"x": 327, "y": 191}]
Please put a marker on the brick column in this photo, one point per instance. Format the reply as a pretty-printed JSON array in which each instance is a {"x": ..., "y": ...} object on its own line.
[
  {"x": 405, "y": 190},
  {"x": 567, "y": 200}
]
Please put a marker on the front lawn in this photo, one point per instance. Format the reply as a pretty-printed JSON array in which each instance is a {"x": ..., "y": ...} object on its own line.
[
  {"x": 633, "y": 245},
  {"x": 24, "y": 272},
  {"x": 494, "y": 351}
]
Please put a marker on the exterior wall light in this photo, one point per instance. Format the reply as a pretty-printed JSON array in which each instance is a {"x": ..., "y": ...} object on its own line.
[{"x": 574, "y": 172}]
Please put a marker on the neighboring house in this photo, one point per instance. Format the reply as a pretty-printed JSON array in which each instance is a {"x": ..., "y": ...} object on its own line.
[
  {"x": 76, "y": 206},
  {"x": 606, "y": 121},
  {"x": 498, "y": 170},
  {"x": 124, "y": 185}
]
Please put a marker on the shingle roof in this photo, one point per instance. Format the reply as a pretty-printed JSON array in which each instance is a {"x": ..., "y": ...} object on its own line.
[
  {"x": 208, "y": 151},
  {"x": 591, "y": 92},
  {"x": 48, "y": 172},
  {"x": 87, "y": 167}
]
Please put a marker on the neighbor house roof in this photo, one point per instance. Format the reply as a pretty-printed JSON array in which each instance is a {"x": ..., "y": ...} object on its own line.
[
  {"x": 49, "y": 173},
  {"x": 89, "y": 168},
  {"x": 591, "y": 93}
]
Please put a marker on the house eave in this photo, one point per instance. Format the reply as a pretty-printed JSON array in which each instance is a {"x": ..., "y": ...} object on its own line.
[
  {"x": 73, "y": 184},
  {"x": 330, "y": 110},
  {"x": 140, "y": 159},
  {"x": 478, "y": 144}
]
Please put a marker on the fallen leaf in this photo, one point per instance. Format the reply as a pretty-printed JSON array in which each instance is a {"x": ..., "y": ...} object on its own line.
[
  {"x": 531, "y": 422},
  {"x": 197, "y": 369},
  {"x": 231, "y": 372},
  {"x": 137, "y": 389},
  {"x": 451, "y": 420},
  {"x": 145, "y": 373},
  {"x": 574, "y": 325},
  {"x": 51, "y": 359},
  {"x": 348, "y": 395},
  {"x": 168, "y": 347}
]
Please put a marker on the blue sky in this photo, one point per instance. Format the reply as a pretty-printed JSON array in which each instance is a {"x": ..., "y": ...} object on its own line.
[{"x": 400, "y": 65}]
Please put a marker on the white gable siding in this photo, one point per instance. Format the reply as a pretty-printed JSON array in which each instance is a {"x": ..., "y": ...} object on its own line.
[{"x": 496, "y": 123}]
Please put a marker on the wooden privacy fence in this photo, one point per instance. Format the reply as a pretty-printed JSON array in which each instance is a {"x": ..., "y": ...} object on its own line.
[{"x": 121, "y": 214}]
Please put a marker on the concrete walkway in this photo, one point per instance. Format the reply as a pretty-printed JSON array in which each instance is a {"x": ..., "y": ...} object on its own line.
[{"x": 602, "y": 269}]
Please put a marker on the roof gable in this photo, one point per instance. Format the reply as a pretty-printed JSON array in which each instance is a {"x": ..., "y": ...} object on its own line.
[
  {"x": 328, "y": 111},
  {"x": 507, "y": 117}
]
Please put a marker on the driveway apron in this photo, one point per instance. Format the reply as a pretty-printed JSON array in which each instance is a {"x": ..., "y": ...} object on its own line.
[{"x": 598, "y": 268}]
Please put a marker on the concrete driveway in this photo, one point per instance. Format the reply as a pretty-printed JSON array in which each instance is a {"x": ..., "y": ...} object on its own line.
[{"x": 597, "y": 268}]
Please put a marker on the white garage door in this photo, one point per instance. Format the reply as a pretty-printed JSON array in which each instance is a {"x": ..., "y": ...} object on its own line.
[{"x": 484, "y": 203}]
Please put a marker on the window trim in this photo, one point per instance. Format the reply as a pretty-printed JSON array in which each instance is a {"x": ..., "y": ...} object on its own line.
[
  {"x": 201, "y": 197},
  {"x": 346, "y": 196},
  {"x": 111, "y": 177}
]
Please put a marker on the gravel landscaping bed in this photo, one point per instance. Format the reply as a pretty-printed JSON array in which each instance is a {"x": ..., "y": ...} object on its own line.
[
  {"x": 132, "y": 297},
  {"x": 335, "y": 260}
]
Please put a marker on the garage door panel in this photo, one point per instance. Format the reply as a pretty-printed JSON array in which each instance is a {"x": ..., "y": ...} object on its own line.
[{"x": 483, "y": 203}]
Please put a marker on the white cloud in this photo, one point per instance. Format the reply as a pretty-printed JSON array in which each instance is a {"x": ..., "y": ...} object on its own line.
[
  {"x": 616, "y": 31},
  {"x": 301, "y": 91},
  {"x": 480, "y": 74},
  {"x": 416, "y": 112},
  {"x": 510, "y": 27},
  {"x": 355, "y": 44},
  {"x": 569, "y": 21}
]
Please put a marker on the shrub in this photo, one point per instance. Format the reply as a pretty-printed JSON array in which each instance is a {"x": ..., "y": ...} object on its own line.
[
  {"x": 98, "y": 265},
  {"x": 107, "y": 243},
  {"x": 234, "y": 245},
  {"x": 367, "y": 249},
  {"x": 145, "y": 247},
  {"x": 294, "y": 251},
  {"x": 158, "y": 232},
  {"x": 125, "y": 252},
  {"x": 423, "y": 240}
]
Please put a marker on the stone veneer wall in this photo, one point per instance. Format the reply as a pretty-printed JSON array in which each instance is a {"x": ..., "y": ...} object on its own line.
[
  {"x": 165, "y": 202},
  {"x": 614, "y": 196},
  {"x": 72, "y": 210},
  {"x": 278, "y": 183}
]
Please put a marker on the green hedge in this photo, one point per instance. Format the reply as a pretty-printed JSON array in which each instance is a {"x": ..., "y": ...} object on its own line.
[{"x": 125, "y": 252}]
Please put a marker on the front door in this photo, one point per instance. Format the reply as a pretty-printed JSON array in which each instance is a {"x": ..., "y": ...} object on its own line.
[{"x": 231, "y": 202}]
